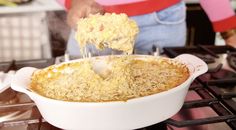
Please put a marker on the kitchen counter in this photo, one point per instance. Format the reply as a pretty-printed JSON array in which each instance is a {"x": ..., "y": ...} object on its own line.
[{"x": 34, "y": 6}]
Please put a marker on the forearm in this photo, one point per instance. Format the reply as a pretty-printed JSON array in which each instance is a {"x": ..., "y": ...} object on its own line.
[{"x": 220, "y": 13}]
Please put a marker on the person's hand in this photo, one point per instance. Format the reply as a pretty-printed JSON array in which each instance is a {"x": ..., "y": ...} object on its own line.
[
  {"x": 231, "y": 41},
  {"x": 80, "y": 9}
]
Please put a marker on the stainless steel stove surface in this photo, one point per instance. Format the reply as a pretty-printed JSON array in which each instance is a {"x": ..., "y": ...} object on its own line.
[{"x": 210, "y": 103}]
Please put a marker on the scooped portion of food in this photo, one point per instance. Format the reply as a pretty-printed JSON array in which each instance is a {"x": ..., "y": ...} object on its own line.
[
  {"x": 115, "y": 31},
  {"x": 128, "y": 77}
]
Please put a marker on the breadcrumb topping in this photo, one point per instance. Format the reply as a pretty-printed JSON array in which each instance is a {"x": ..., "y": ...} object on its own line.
[{"x": 128, "y": 77}]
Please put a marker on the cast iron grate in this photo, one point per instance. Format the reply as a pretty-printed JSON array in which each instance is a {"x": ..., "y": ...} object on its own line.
[
  {"x": 210, "y": 85},
  {"x": 231, "y": 58}
]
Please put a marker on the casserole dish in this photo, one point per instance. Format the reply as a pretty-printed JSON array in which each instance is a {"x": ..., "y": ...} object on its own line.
[{"x": 121, "y": 115}]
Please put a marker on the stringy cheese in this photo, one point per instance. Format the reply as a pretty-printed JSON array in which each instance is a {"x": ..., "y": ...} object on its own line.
[{"x": 114, "y": 31}]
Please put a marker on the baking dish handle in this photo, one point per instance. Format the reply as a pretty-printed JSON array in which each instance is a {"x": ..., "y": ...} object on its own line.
[
  {"x": 21, "y": 80},
  {"x": 196, "y": 65}
]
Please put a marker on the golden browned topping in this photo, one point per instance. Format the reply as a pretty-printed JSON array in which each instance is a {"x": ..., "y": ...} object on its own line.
[{"x": 128, "y": 77}]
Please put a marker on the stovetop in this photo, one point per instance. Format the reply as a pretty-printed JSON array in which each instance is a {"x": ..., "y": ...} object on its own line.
[
  {"x": 216, "y": 88},
  {"x": 210, "y": 103}
]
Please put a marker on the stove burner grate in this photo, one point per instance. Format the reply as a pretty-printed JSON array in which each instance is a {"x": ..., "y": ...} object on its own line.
[
  {"x": 207, "y": 58},
  {"x": 231, "y": 58}
]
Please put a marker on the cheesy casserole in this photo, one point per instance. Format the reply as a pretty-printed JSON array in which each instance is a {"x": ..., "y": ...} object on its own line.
[{"x": 127, "y": 77}]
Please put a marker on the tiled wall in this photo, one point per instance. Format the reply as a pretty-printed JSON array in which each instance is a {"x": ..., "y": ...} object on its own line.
[{"x": 24, "y": 36}]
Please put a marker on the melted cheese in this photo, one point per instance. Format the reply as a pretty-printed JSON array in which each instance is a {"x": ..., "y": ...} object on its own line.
[{"x": 114, "y": 31}]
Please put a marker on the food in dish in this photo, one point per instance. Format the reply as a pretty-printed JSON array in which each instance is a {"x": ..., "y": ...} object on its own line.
[{"x": 128, "y": 77}]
